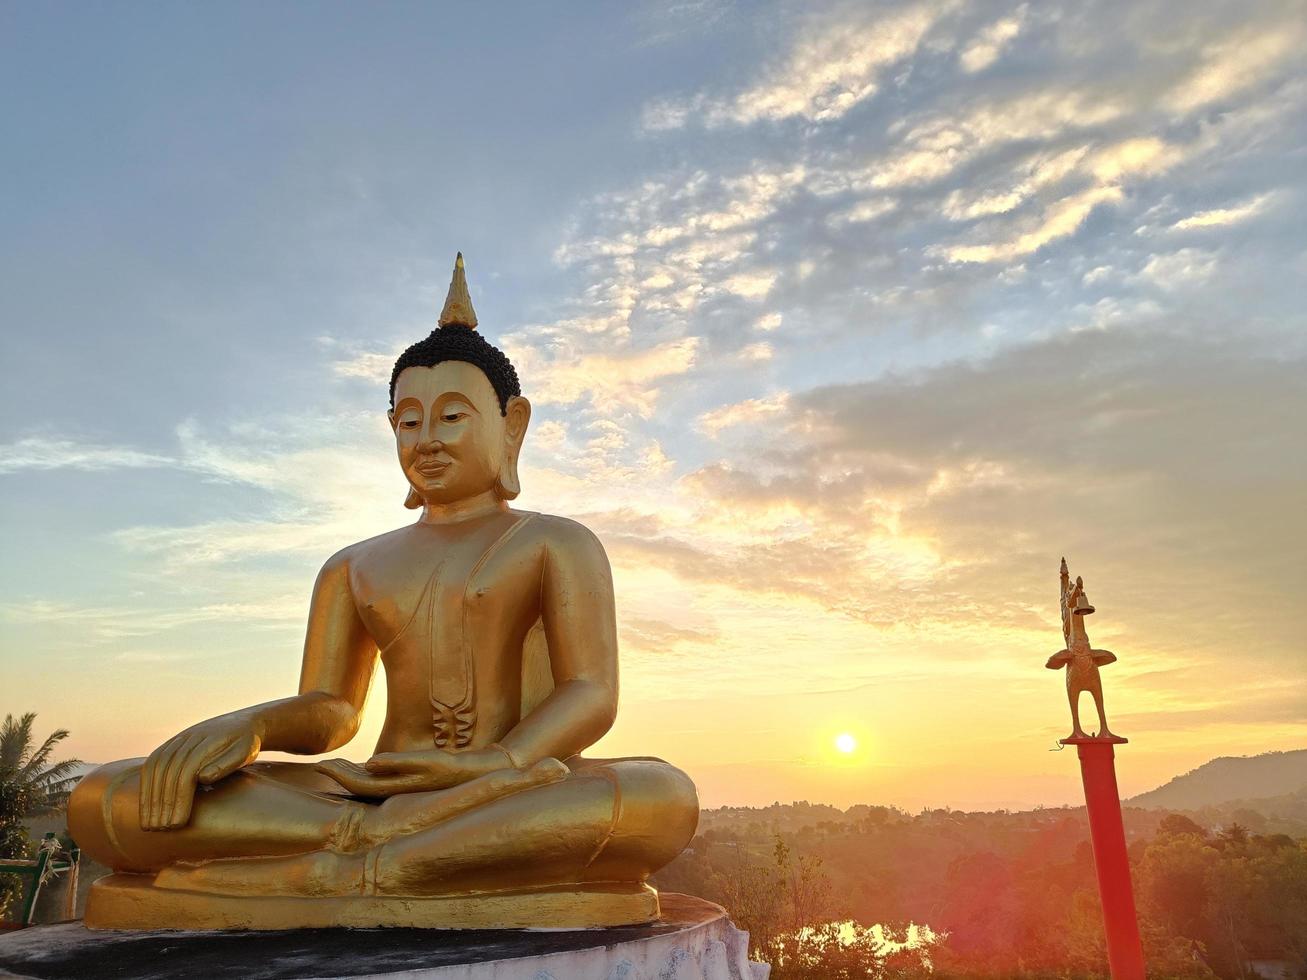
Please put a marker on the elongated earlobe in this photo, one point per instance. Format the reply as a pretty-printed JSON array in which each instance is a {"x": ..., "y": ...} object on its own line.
[
  {"x": 518, "y": 416},
  {"x": 507, "y": 486},
  {"x": 414, "y": 500}
]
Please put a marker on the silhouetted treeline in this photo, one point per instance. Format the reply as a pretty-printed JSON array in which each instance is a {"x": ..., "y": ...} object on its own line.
[{"x": 1003, "y": 894}]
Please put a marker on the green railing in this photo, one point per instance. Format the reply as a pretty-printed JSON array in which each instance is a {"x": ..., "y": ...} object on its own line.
[{"x": 47, "y": 864}]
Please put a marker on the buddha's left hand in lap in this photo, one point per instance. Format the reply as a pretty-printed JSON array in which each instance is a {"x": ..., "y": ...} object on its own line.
[{"x": 392, "y": 773}]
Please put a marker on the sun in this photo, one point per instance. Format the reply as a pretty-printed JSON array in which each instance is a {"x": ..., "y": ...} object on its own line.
[{"x": 846, "y": 743}]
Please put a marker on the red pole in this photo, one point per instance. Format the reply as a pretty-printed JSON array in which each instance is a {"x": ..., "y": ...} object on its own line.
[{"x": 1125, "y": 956}]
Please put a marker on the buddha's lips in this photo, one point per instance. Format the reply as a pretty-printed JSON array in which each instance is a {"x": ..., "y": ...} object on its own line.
[{"x": 431, "y": 467}]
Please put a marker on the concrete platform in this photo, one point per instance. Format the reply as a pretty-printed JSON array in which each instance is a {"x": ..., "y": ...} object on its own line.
[{"x": 693, "y": 940}]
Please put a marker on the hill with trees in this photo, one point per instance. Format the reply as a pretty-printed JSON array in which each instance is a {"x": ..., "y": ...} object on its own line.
[{"x": 1229, "y": 779}]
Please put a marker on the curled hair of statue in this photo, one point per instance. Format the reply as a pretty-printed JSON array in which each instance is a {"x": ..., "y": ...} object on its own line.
[{"x": 458, "y": 343}]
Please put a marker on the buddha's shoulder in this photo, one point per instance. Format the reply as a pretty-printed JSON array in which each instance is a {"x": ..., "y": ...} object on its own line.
[
  {"x": 555, "y": 532},
  {"x": 370, "y": 549},
  {"x": 522, "y": 530}
]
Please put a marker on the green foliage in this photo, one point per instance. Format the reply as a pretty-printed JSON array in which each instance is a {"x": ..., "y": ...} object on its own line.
[
  {"x": 1231, "y": 898},
  {"x": 29, "y": 784},
  {"x": 1177, "y": 825},
  {"x": 13, "y": 838},
  {"x": 46, "y": 784},
  {"x": 786, "y": 903},
  {"x": 1007, "y": 894}
]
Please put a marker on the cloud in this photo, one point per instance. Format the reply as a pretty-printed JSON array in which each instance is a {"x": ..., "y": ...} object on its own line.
[
  {"x": 868, "y": 209},
  {"x": 661, "y": 637},
  {"x": 1179, "y": 270},
  {"x": 1222, "y": 217},
  {"x": 629, "y": 380},
  {"x": 1107, "y": 168},
  {"x": 321, "y": 493},
  {"x": 936, "y": 146},
  {"x": 1061, "y": 220},
  {"x": 985, "y": 49},
  {"x": 1117, "y": 429},
  {"x": 1241, "y": 60},
  {"x": 883, "y": 501},
  {"x": 750, "y": 285},
  {"x": 369, "y": 365},
  {"x": 34, "y": 453},
  {"x": 112, "y": 623},
  {"x": 751, "y": 410},
  {"x": 835, "y": 63}
]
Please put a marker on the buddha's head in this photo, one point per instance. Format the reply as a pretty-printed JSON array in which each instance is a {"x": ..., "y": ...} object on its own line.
[{"x": 457, "y": 410}]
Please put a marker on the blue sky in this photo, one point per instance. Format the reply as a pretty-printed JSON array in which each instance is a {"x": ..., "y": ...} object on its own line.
[{"x": 842, "y": 322}]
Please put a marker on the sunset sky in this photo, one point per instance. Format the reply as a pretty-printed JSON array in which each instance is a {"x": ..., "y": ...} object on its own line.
[{"x": 842, "y": 324}]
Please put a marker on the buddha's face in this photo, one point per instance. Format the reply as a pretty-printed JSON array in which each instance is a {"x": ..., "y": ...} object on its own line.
[{"x": 453, "y": 442}]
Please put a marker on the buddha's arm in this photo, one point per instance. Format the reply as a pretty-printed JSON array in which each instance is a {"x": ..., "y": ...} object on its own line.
[
  {"x": 339, "y": 658},
  {"x": 580, "y": 623}
]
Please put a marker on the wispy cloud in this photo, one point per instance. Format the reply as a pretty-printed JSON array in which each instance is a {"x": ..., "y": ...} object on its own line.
[
  {"x": 836, "y": 63},
  {"x": 985, "y": 49},
  {"x": 1241, "y": 60},
  {"x": 1221, "y": 217},
  {"x": 1179, "y": 270},
  {"x": 35, "y": 453}
]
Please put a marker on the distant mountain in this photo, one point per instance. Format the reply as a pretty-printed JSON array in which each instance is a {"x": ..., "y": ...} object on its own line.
[{"x": 1229, "y": 778}]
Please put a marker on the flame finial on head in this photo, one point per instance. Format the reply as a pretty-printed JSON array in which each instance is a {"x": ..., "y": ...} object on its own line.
[{"x": 458, "y": 310}]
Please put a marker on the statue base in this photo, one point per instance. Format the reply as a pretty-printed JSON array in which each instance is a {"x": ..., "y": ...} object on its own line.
[
  {"x": 122, "y": 901},
  {"x": 692, "y": 940}
]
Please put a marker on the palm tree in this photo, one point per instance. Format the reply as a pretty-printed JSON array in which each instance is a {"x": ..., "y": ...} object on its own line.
[
  {"x": 26, "y": 772},
  {"x": 29, "y": 784}
]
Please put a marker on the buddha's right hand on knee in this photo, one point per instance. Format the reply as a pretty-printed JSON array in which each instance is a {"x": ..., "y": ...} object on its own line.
[{"x": 203, "y": 753}]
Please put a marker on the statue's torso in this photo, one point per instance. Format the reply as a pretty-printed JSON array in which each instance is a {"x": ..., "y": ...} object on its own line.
[{"x": 450, "y": 607}]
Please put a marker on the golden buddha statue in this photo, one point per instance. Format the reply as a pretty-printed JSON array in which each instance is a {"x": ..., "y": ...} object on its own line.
[{"x": 498, "y": 635}]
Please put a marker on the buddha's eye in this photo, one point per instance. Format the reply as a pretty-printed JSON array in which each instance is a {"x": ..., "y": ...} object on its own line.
[
  {"x": 453, "y": 416},
  {"x": 409, "y": 424}
]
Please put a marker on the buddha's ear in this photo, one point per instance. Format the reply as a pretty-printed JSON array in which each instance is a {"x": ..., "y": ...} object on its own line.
[
  {"x": 414, "y": 500},
  {"x": 517, "y": 416}
]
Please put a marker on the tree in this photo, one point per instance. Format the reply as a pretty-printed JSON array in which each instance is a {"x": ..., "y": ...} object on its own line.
[
  {"x": 29, "y": 784},
  {"x": 43, "y": 786},
  {"x": 1175, "y": 824}
]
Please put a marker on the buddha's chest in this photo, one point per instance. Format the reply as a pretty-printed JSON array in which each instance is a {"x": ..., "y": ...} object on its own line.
[
  {"x": 449, "y": 615},
  {"x": 445, "y": 572}
]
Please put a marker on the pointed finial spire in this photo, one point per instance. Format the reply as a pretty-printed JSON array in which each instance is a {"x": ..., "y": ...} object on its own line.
[{"x": 458, "y": 310}]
